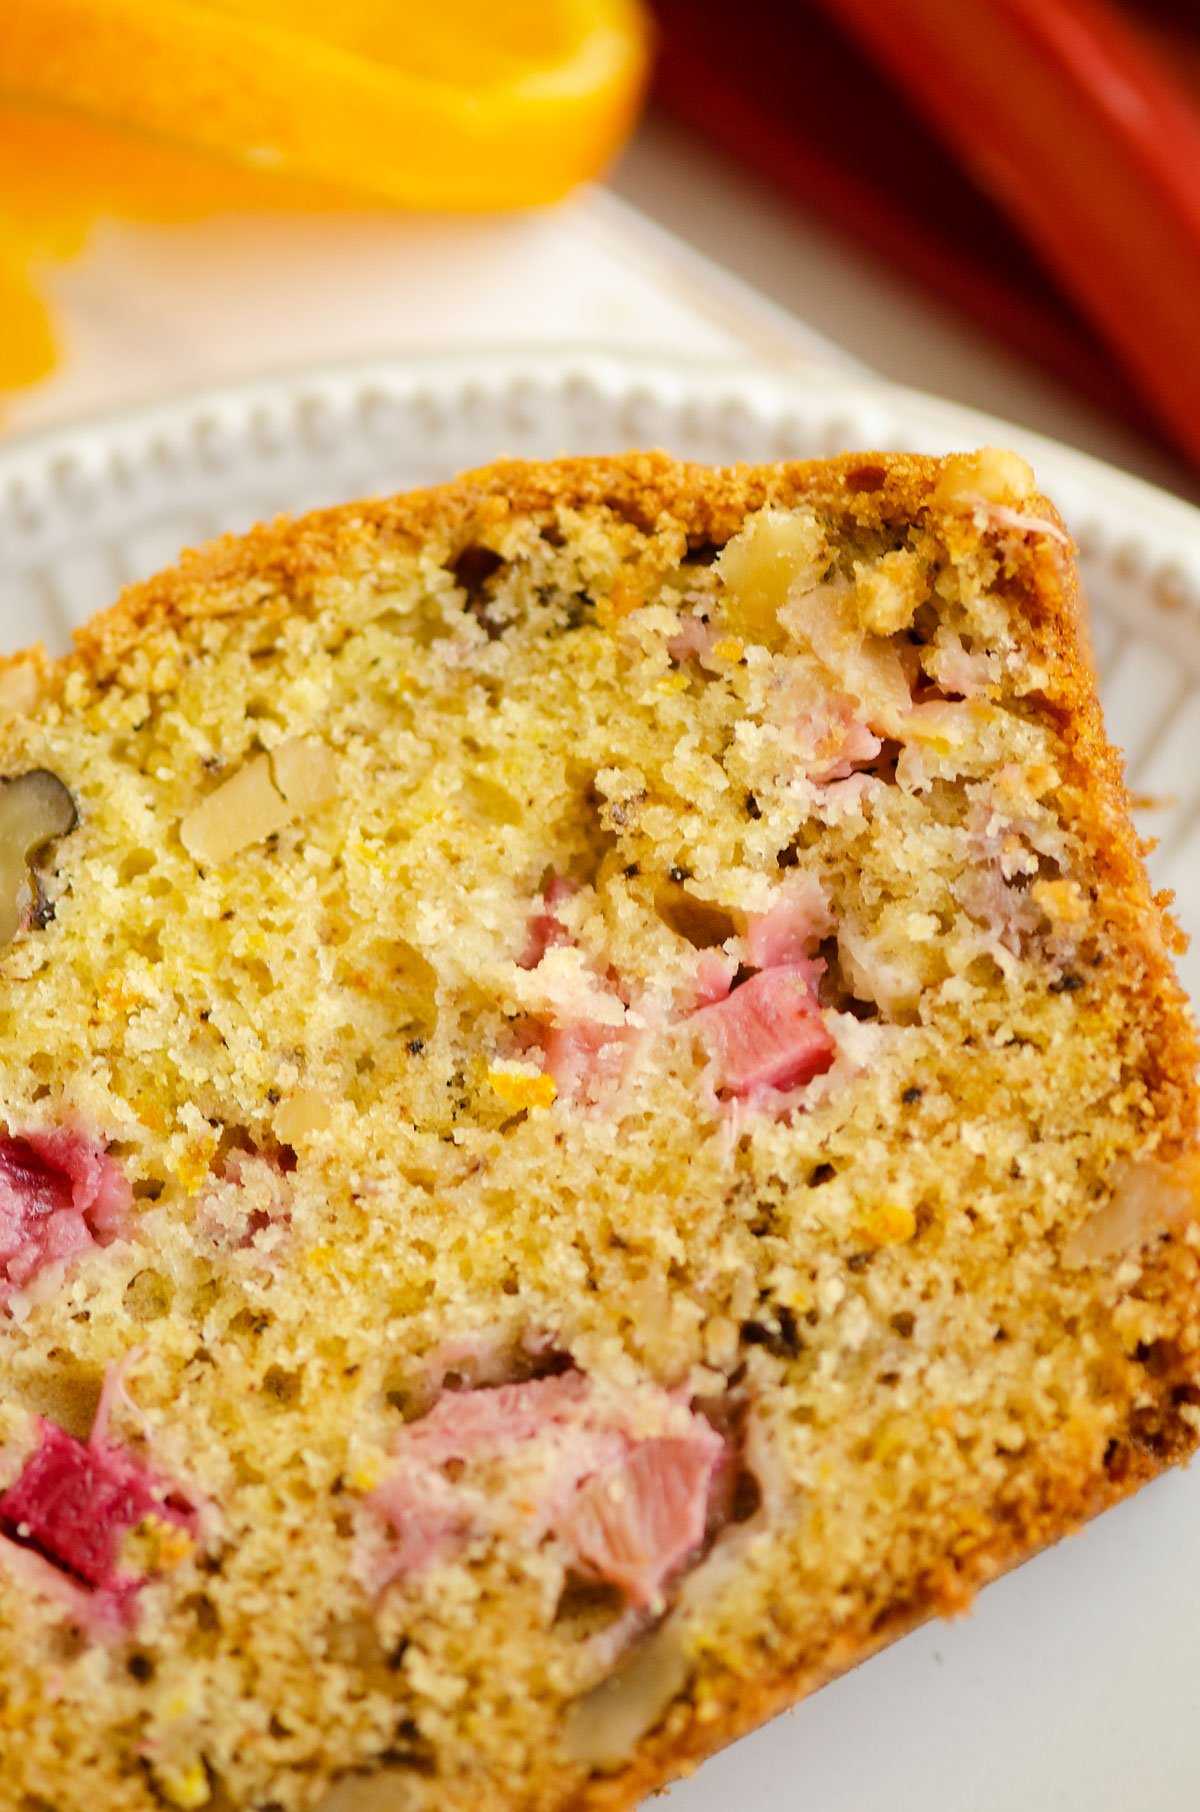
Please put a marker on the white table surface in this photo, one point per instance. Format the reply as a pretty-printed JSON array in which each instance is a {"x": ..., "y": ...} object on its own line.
[{"x": 147, "y": 311}]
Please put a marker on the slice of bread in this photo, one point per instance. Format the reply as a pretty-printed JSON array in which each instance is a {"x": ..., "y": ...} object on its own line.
[{"x": 596, "y": 1122}]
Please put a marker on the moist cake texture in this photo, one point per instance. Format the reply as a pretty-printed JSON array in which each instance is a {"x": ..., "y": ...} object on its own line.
[{"x": 596, "y": 1122}]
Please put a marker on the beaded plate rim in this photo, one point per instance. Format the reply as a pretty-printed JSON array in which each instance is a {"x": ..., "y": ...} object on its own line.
[{"x": 756, "y": 407}]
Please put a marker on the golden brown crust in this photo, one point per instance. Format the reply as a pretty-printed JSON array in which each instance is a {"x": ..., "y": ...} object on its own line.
[
  {"x": 643, "y": 488},
  {"x": 742, "y": 1706},
  {"x": 870, "y": 491}
]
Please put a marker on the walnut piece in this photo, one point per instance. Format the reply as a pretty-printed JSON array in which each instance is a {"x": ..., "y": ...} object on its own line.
[
  {"x": 603, "y": 1727},
  {"x": 993, "y": 475},
  {"x": 307, "y": 1111},
  {"x": 391, "y": 1790},
  {"x": 268, "y": 792},
  {"x": 35, "y": 808},
  {"x": 866, "y": 667},
  {"x": 245, "y": 809},
  {"x": 1148, "y": 1198},
  {"x": 775, "y": 554},
  {"x": 305, "y": 772}
]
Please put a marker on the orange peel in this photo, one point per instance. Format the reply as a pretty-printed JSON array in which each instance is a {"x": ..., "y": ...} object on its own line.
[
  {"x": 27, "y": 351},
  {"x": 73, "y": 170},
  {"x": 465, "y": 105}
]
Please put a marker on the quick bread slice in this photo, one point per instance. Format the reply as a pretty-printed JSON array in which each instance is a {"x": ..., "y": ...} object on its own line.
[{"x": 597, "y": 1121}]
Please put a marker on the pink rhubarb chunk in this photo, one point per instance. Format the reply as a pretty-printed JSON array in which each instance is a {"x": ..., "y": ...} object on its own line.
[
  {"x": 463, "y": 1425},
  {"x": 692, "y": 640},
  {"x": 428, "y": 1520},
  {"x": 636, "y": 1523},
  {"x": 77, "y": 1500},
  {"x": 578, "y": 1053},
  {"x": 60, "y": 1194},
  {"x": 433, "y": 1511},
  {"x": 546, "y": 930},
  {"x": 788, "y": 931},
  {"x": 582, "y": 1053},
  {"x": 1000, "y": 516},
  {"x": 549, "y": 1457},
  {"x": 767, "y": 1034},
  {"x": 840, "y": 743},
  {"x": 714, "y": 972}
]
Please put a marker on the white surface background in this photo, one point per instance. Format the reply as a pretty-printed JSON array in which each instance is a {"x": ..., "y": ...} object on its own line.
[{"x": 151, "y": 310}]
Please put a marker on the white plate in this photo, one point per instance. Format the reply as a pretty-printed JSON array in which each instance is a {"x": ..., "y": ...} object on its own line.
[{"x": 1075, "y": 1682}]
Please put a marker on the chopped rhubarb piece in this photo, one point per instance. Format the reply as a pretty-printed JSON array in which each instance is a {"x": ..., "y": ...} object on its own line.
[
  {"x": 767, "y": 1034},
  {"x": 428, "y": 1519},
  {"x": 692, "y": 640},
  {"x": 76, "y": 1501},
  {"x": 787, "y": 932},
  {"x": 545, "y": 928},
  {"x": 636, "y": 1523},
  {"x": 714, "y": 973},
  {"x": 576, "y": 1050},
  {"x": 477, "y": 1427},
  {"x": 60, "y": 1194},
  {"x": 583, "y": 1052},
  {"x": 840, "y": 743},
  {"x": 465, "y": 1424},
  {"x": 624, "y": 1483},
  {"x": 1001, "y": 516}
]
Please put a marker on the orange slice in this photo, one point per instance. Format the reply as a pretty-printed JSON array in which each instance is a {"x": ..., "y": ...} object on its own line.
[
  {"x": 429, "y": 103},
  {"x": 27, "y": 348},
  {"x": 68, "y": 169},
  {"x": 72, "y": 171}
]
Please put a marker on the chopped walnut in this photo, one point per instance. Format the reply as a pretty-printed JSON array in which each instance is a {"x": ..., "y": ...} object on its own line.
[
  {"x": 866, "y": 667},
  {"x": 603, "y": 1727},
  {"x": 772, "y": 556},
  {"x": 35, "y": 808},
  {"x": 1148, "y": 1199},
  {"x": 245, "y": 809},
  {"x": 993, "y": 475},
  {"x": 305, "y": 771},
  {"x": 260, "y": 798}
]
